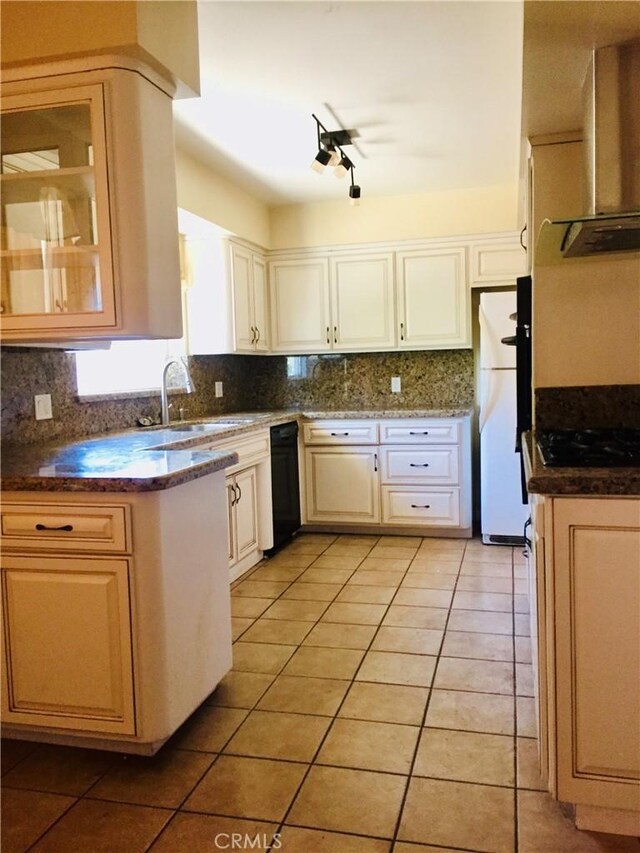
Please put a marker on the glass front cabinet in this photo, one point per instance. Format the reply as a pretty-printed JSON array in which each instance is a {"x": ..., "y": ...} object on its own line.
[{"x": 89, "y": 239}]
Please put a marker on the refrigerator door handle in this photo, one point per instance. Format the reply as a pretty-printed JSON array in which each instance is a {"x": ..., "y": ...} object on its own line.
[{"x": 487, "y": 398}]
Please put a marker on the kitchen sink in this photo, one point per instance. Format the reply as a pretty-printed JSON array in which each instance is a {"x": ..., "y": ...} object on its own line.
[{"x": 205, "y": 427}]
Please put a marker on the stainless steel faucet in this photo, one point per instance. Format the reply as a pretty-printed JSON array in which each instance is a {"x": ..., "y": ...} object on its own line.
[{"x": 164, "y": 402}]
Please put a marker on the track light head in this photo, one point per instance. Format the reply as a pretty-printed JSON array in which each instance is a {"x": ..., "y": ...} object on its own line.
[
  {"x": 343, "y": 167},
  {"x": 354, "y": 194},
  {"x": 320, "y": 161}
]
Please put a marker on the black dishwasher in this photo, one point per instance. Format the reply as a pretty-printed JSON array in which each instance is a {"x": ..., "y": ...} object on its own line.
[{"x": 285, "y": 485}]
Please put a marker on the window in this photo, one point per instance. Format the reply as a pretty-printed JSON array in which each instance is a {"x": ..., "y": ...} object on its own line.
[{"x": 127, "y": 367}]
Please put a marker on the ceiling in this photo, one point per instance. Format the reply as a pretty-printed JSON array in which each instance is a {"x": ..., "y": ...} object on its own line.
[{"x": 433, "y": 88}]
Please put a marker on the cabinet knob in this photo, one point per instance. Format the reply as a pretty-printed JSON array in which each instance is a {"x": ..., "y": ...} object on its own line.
[{"x": 66, "y": 527}]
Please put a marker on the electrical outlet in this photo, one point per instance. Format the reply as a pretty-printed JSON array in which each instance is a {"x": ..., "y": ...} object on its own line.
[
  {"x": 218, "y": 387},
  {"x": 396, "y": 385},
  {"x": 43, "y": 407}
]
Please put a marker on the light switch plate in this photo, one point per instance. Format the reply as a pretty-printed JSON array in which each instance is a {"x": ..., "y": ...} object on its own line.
[
  {"x": 218, "y": 387},
  {"x": 43, "y": 407},
  {"x": 396, "y": 385}
]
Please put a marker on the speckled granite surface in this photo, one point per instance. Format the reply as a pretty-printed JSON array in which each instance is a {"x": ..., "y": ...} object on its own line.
[
  {"x": 431, "y": 380},
  {"x": 152, "y": 458},
  {"x": 576, "y": 481},
  {"x": 587, "y": 406}
]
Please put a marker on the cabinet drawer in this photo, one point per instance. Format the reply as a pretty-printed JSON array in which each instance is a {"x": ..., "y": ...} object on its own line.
[
  {"x": 341, "y": 432},
  {"x": 65, "y": 527},
  {"x": 416, "y": 506},
  {"x": 419, "y": 432},
  {"x": 250, "y": 449},
  {"x": 431, "y": 466}
]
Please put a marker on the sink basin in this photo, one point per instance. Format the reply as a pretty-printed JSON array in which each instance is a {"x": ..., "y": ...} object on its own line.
[{"x": 204, "y": 427}]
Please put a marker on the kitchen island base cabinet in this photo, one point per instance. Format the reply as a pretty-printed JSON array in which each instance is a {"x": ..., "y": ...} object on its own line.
[{"x": 145, "y": 635}]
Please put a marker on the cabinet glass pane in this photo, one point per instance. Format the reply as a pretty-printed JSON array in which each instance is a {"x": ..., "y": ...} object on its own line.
[{"x": 49, "y": 224}]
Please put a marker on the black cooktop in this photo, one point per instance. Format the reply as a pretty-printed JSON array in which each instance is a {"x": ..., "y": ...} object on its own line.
[{"x": 590, "y": 448}]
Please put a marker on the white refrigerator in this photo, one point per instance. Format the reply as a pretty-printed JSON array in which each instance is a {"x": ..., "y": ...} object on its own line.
[{"x": 502, "y": 512}]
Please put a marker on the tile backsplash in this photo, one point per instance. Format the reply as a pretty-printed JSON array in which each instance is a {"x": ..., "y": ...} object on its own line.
[{"x": 430, "y": 379}]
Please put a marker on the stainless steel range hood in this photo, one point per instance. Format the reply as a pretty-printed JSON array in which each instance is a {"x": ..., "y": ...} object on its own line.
[{"x": 611, "y": 222}]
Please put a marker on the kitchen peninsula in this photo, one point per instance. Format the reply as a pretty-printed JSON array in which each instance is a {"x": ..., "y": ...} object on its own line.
[{"x": 115, "y": 589}]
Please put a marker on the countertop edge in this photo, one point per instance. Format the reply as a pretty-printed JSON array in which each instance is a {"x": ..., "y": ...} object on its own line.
[{"x": 576, "y": 482}]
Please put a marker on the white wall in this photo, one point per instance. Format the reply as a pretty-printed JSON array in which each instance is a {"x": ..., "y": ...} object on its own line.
[
  {"x": 205, "y": 193},
  {"x": 406, "y": 217}
]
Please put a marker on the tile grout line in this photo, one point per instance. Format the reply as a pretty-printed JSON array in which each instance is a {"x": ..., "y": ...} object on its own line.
[
  {"x": 410, "y": 775},
  {"x": 352, "y": 681}
]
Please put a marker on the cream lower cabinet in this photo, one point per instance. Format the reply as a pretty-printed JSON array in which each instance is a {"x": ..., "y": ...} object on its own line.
[
  {"x": 589, "y": 659},
  {"x": 242, "y": 495},
  {"x": 116, "y": 613},
  {"x": 249, "y": 501},
  {"x": 403, "y": 474},
  {"x": 342, "y": 484},
  {"x": 68, "y": 642}
]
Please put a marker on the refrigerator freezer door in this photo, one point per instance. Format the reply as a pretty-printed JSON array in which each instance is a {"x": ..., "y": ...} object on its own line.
[
  {"x": 495, "y": 324},
  {"x": 502, "y": 511}
]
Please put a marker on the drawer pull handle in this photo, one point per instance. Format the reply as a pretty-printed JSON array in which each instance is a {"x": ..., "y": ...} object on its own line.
[
  {"x": 328, "y": 338},
  {"x": 425, "y": 432},
  {"x": 66, "y": 527},
  {"x": 418, "y": 464},
  {"x": 401, "y": 331},
  {"x": 339, "y": 433},
  {"x": 375, "y": 461},
  {"x": 335, "y": 334},
  {"x": 420, "y": 506}
]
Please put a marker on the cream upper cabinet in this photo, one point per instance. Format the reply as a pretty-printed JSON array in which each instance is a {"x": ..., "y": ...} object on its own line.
[
  {"x": 496, "y": 263},
  {"x": 362, "y": 299},
  {"x": 249, "y": 286},
  {"x": 300, "y": 305},
  {"x": 433, "y": 299},
  {"x": 89, "y": 243}
]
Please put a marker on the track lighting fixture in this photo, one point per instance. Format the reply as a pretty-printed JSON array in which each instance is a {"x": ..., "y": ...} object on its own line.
[{"x": 330, "y": 153}]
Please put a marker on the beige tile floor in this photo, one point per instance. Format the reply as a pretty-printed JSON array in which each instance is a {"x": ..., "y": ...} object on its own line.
[{"x": 380, "y": 702}]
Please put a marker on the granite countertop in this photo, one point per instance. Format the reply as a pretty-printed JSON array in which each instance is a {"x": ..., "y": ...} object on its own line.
[
  {"x": 148, "y": 459},
  {"x": 545, "y": 480}
]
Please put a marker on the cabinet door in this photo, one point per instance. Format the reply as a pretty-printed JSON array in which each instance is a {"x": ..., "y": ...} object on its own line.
[
  {"x": 433, "y": 299},
  {"x": 67, "y": 643},
  {"x": 342, "y": 484},
  {"x": 242, "y": 277},
  {"x": 363, "y": 304},
  {"x": 300, "y": 308},
  {"x": 232, "y": 535},
  {"x": 246, "y": 511},
  {"x": 597, "y": 633},
  {"x": 260, "y": 310},
  {"x": 56, "y": 237}
]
